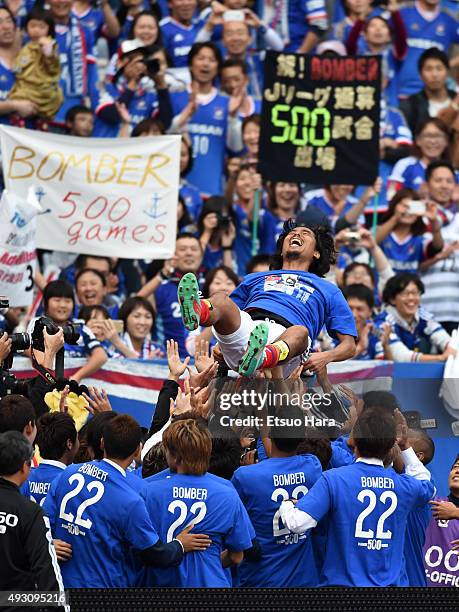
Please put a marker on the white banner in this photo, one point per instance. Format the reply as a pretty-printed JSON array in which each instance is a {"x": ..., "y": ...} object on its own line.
[
  {"x": 100, "y": 196},
  {"x": 18, "y": 217}
]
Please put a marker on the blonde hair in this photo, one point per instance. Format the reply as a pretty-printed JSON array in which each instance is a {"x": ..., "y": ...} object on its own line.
[{"x": 191, "y": 444}]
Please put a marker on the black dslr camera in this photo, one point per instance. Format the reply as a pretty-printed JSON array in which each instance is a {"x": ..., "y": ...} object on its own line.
[{"x": 71, "y": 333}]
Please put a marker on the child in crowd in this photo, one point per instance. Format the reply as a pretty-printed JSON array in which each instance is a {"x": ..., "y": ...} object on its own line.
[{"x": 37, "y": 66}]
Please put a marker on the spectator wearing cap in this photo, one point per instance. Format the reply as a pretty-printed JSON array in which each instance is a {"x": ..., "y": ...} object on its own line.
[{"x": 127, "y": 100}]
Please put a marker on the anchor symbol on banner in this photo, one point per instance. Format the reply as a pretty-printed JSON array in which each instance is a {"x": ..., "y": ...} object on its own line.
[
  {"x": 153, "y": 210},
  {"x": 40, "y": 193}
]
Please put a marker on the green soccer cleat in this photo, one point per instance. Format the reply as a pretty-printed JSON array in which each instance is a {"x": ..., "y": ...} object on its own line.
[
  {"x": 190, "y": 303},
  {"x": 253, "y": 355}
]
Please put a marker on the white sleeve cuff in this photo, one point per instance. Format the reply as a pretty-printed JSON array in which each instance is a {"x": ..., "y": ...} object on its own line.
[{"x": 294, "y": 519}]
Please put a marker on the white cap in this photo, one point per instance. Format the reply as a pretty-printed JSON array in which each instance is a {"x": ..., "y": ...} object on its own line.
[
  {"x": 128, "y": 46},
  {"x": 331, "y": 45}
]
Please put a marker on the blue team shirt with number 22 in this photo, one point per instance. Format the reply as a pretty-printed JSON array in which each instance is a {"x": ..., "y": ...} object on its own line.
[
  {"x": 213, "y": 506},
  {"x": 93, "y": 507},
  {"x": 367, "y": 506}
]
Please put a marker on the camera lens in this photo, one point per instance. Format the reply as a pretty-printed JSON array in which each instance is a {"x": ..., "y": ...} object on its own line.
[
  {"x": 71, "y": 333},
  {"x": 20, "y": 341}
]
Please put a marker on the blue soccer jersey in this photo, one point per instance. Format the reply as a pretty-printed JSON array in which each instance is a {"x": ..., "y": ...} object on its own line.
[
  {"x": 207, "y": 129},
  {"x": 192, "y": 199},
  {"x": 405, "y": 255},
  {"x": 39, "y": 482},
  {"x": 7, "y": 80},
  {"x": 319, "y": 199},
  {"x": 287, "y": 558},
  {"x": 143, "y": 105},
  {"x": 368, "y": 507},
  {"x": 301, "y": 298},
  {"x": 441, "y": 31},
  {"x": 213, "y": 506},
  {"x": 93, "y": 19},
  {"x": 94, "y": 507},
  {"x": 415, "y": 537},
  {"x": 178, "y": 39}
]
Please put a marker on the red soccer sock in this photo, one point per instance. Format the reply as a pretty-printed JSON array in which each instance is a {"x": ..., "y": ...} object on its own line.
[
  {"x": 206, "y": 307},
  {"x": 274, "y": 353},
  {"x": 270, "y": 357}
]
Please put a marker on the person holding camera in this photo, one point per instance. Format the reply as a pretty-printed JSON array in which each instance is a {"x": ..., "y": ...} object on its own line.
[
  {"x": 217, "y": 231},
  {"x": 131, "y": 89},
  {"x": 59, "y": 304}
]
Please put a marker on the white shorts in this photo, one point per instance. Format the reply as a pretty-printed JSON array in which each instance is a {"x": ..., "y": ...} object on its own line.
[{"x": 233, "y": 346}]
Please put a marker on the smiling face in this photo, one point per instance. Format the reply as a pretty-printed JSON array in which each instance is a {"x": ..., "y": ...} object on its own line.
[
  {"x": 432, "y": 141},
  {"x": 146, "y": 29},
  {"x": 251, "y": 138},
  {"x": 60, "y": 309},
  {"x": 360, "y": 310},
  {"x": 7, "y": 29},
  {"x": 139, "y": 323},
  {"x": 244, "y": 185},
  {"x": 221, "y": 282},
  {"x": 453, "y": 480},
  {"x": 188, "y": 253},
  {"x": 90, "y": 289},
  {"x": 441, "y": 185},
  {"x": 204, "y": 67},
  {"x": 299, "y": 246},
  {"x": 287, "y": 196},
  {"x": 407, "y": 301},
  {"x": 236, "y": 37}
]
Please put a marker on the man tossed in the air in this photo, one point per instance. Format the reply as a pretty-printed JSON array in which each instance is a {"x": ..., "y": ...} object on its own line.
[{"x": 275, "y": 316}]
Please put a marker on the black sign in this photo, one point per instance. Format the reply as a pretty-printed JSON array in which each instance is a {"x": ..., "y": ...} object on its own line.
[{"x": 320, "y": 119}]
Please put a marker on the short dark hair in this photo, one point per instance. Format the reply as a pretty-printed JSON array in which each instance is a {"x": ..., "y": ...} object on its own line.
[
  {"x": 95, "y": 430},
  {"x": 318, "y": 444},
  {"x": 146, "y": 125},
  {"x": 41, "y": 14},
  {"x": 81, "y": 261},
  {"x": 374, "y": 433},
  {"x": 432, "y": 53},
  {"x": 15, "y": 450},
  {"x": 86, "y": 312},
  {"x": 53, "y": 431},
  {"x": 225, "y": 457},
  {"x": 325, "y": 244},
  {"x": 286, "y": 438},
  {"x": 255, "y": 118},
  {"x": 256, "y": 260},
  {"x": 234, "y": 63},
  {"x": 132, "y": 303},
  {"x": 230, "y": 273},
  {"x": 359, "y": 292},
  {"x": 422, "y": 442},
  {"x": 189, "y": 235},
  {"x": 154, "y": 461},
  {"x": 439, "y": 163},
  {"x": 196, "y": 48},
  {"x": 381, "y": 400},
  {"x": 399, "y": 283},
  {"x": 78, "y": 109},
  {"x": 122, "y": 436},
  {"x": 80, "y": 273},
  {"x": 57, "y": 289},
  {"x": 16, "y": 411}
]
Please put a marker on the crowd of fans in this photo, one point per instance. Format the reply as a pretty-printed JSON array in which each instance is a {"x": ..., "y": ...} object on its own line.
[{"x": 128, "y": 507}]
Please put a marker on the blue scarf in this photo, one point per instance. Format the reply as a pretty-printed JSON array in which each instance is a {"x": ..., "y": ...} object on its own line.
[{"x": 76, "y": 51}]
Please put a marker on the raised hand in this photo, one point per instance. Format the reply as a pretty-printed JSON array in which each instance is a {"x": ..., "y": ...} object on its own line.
[{"x": 176, "y": 366}]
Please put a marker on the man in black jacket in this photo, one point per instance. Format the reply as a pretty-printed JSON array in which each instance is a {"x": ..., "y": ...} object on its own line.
[
  {"x": 29, "y": 561},
  {"x": 433, "y": 66}
]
